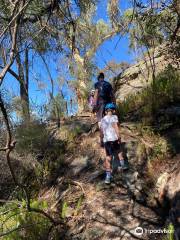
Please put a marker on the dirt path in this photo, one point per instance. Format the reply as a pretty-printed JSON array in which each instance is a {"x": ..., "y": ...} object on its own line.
[{"x": 106, "y": 212}]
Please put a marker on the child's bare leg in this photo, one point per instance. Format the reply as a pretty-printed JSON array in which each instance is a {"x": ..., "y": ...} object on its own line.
[
  {"x": 121, "y": 159},
  {"x": 108, "y": 164},
  {"x": 120, "y": 155},
  {"x": 108, "y": 169}
]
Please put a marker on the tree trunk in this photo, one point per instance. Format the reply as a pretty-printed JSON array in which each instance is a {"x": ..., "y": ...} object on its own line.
[
  {"x": 82, "y": 84},
  {"x": 24, "y": 85},
  {"x": 81, "y": 63}
]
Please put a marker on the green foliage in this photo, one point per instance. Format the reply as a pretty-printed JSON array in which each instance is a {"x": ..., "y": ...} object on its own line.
[
  {"x": 47, "y": 156},
  {"x": 64, "y": 209},
  {"x": 165, "y": 88},
  {"x": 160, "y": 146},
  {"x": 79, "y": 204},
  {"x": 152, "y": 26},
  {"x": 170, "y": 235},
  {"x": 102, "y": 28},
  {"x": 160, "y": 149},
  {"x": 76, "y": 131},
  {"x": 36, "y": 7},
  {"x": 32, "y": 138},
  {"x": 85, "y": 5},
  {"x": 128, "y": 14},
  {"x": 25, "y": 225},
  {"x": 171, "y": 231},
  {"x": 57, "y": 107}
]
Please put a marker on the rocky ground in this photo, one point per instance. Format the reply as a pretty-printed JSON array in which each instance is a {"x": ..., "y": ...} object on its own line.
[
  {"x": 131, "y": 207},
  {"x": 121, "y": 210}
]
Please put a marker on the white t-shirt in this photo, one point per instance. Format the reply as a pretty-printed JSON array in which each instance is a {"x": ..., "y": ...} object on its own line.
[{"x": 107, "y": 128}]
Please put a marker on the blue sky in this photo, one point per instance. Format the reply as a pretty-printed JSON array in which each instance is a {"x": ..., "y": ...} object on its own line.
[{"x": 115, "y": 49}]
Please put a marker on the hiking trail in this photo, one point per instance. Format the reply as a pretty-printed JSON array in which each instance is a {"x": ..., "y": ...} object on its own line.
[{"x": 96, "y": 210}]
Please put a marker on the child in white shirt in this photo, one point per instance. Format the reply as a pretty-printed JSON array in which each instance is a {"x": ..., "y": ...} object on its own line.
[{"x": 111, "y": 139}]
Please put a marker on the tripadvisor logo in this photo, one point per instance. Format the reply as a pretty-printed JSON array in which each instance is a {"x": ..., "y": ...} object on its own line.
[{"x": 138, "y": 231}]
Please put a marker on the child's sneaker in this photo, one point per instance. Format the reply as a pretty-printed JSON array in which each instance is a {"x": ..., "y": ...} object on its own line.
[
  {"x": 108, "y": 178},
  {"x": 123, "y": 165}
]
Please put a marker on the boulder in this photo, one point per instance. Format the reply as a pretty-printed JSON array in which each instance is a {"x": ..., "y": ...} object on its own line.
[
  {"x": 78, "y": 164},
  {"x": 168, "y": 187}
]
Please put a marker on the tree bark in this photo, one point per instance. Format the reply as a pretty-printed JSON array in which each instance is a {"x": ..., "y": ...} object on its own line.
[
  {"x": 81, "y": 62},
  {"x": 23, "y": 72},
  {"x": 82, "y": 80}
]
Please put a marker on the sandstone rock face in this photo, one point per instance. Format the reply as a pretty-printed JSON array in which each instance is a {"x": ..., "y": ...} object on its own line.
[
  {"x": 173, "y": 193},
  {"x": 168, "y": 187},
  {"x": 173, "y": 185},
  {"x": 139, "y": 75},
  {"x": 161, "y": 184},
  {"x": 169, "y": 184}
]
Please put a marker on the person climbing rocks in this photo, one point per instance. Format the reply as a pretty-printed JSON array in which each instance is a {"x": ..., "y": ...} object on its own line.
[
  {"x": 111, "y": 139},
  {"x": 91, "y": 99},
  {"x": 103, "y": 95},
  {"x": 91, "y": 103}
]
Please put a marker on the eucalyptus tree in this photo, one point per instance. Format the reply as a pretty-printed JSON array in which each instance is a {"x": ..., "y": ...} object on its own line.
[
  {"x": 154, "y": 24},
  {"x": 82, "y": 39},
  {"x": 89, "y": 36},
  {"x": 24, "y": 30}
]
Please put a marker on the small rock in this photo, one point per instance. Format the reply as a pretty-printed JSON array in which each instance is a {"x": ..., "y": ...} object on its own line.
[
  {"x": 136, "y": 175},
  {"x": 95, "y": 175},
  {"x": 123, "y": 232},
  {"x": 139, "y": 196},
  {"x": 69, "y": 212},
  {"x": 132, "y": 188},
  {"x": 129, "y": 218},
  {"x": 79, "y": 164},
  {"x": 162, "y": 179},
  {"x": 77, "y": 230},
  {"x": 113, "y": 184},
  {"x": 139, "y": 186},
  {"x": 93, "y": 233}
]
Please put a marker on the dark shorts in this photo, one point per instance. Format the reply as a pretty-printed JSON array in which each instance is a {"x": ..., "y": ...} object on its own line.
[{"x": 112, "y": 148}]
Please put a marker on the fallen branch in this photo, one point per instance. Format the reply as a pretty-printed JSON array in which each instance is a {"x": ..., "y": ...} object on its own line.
[{"x": 77, "y": 184}]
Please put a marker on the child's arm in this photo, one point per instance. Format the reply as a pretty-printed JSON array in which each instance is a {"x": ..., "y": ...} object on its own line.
[{"x": 115, "y": 126}]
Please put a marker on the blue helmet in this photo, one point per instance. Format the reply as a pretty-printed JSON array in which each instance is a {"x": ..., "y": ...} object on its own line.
[{"x": 110, "y": 106}]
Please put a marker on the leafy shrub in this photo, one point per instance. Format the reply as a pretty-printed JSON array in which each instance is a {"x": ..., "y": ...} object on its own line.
[
  {"x": 24, "y": 225},
  {"x": 32, "y": 138},
  {"x": 160, "y": 148},
  {"x": 33, "y": 141}
]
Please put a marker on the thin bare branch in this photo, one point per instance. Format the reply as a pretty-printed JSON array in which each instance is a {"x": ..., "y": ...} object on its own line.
[
  {"x": 12, "y": 53},
  {"x": 13, "y": 73}
]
